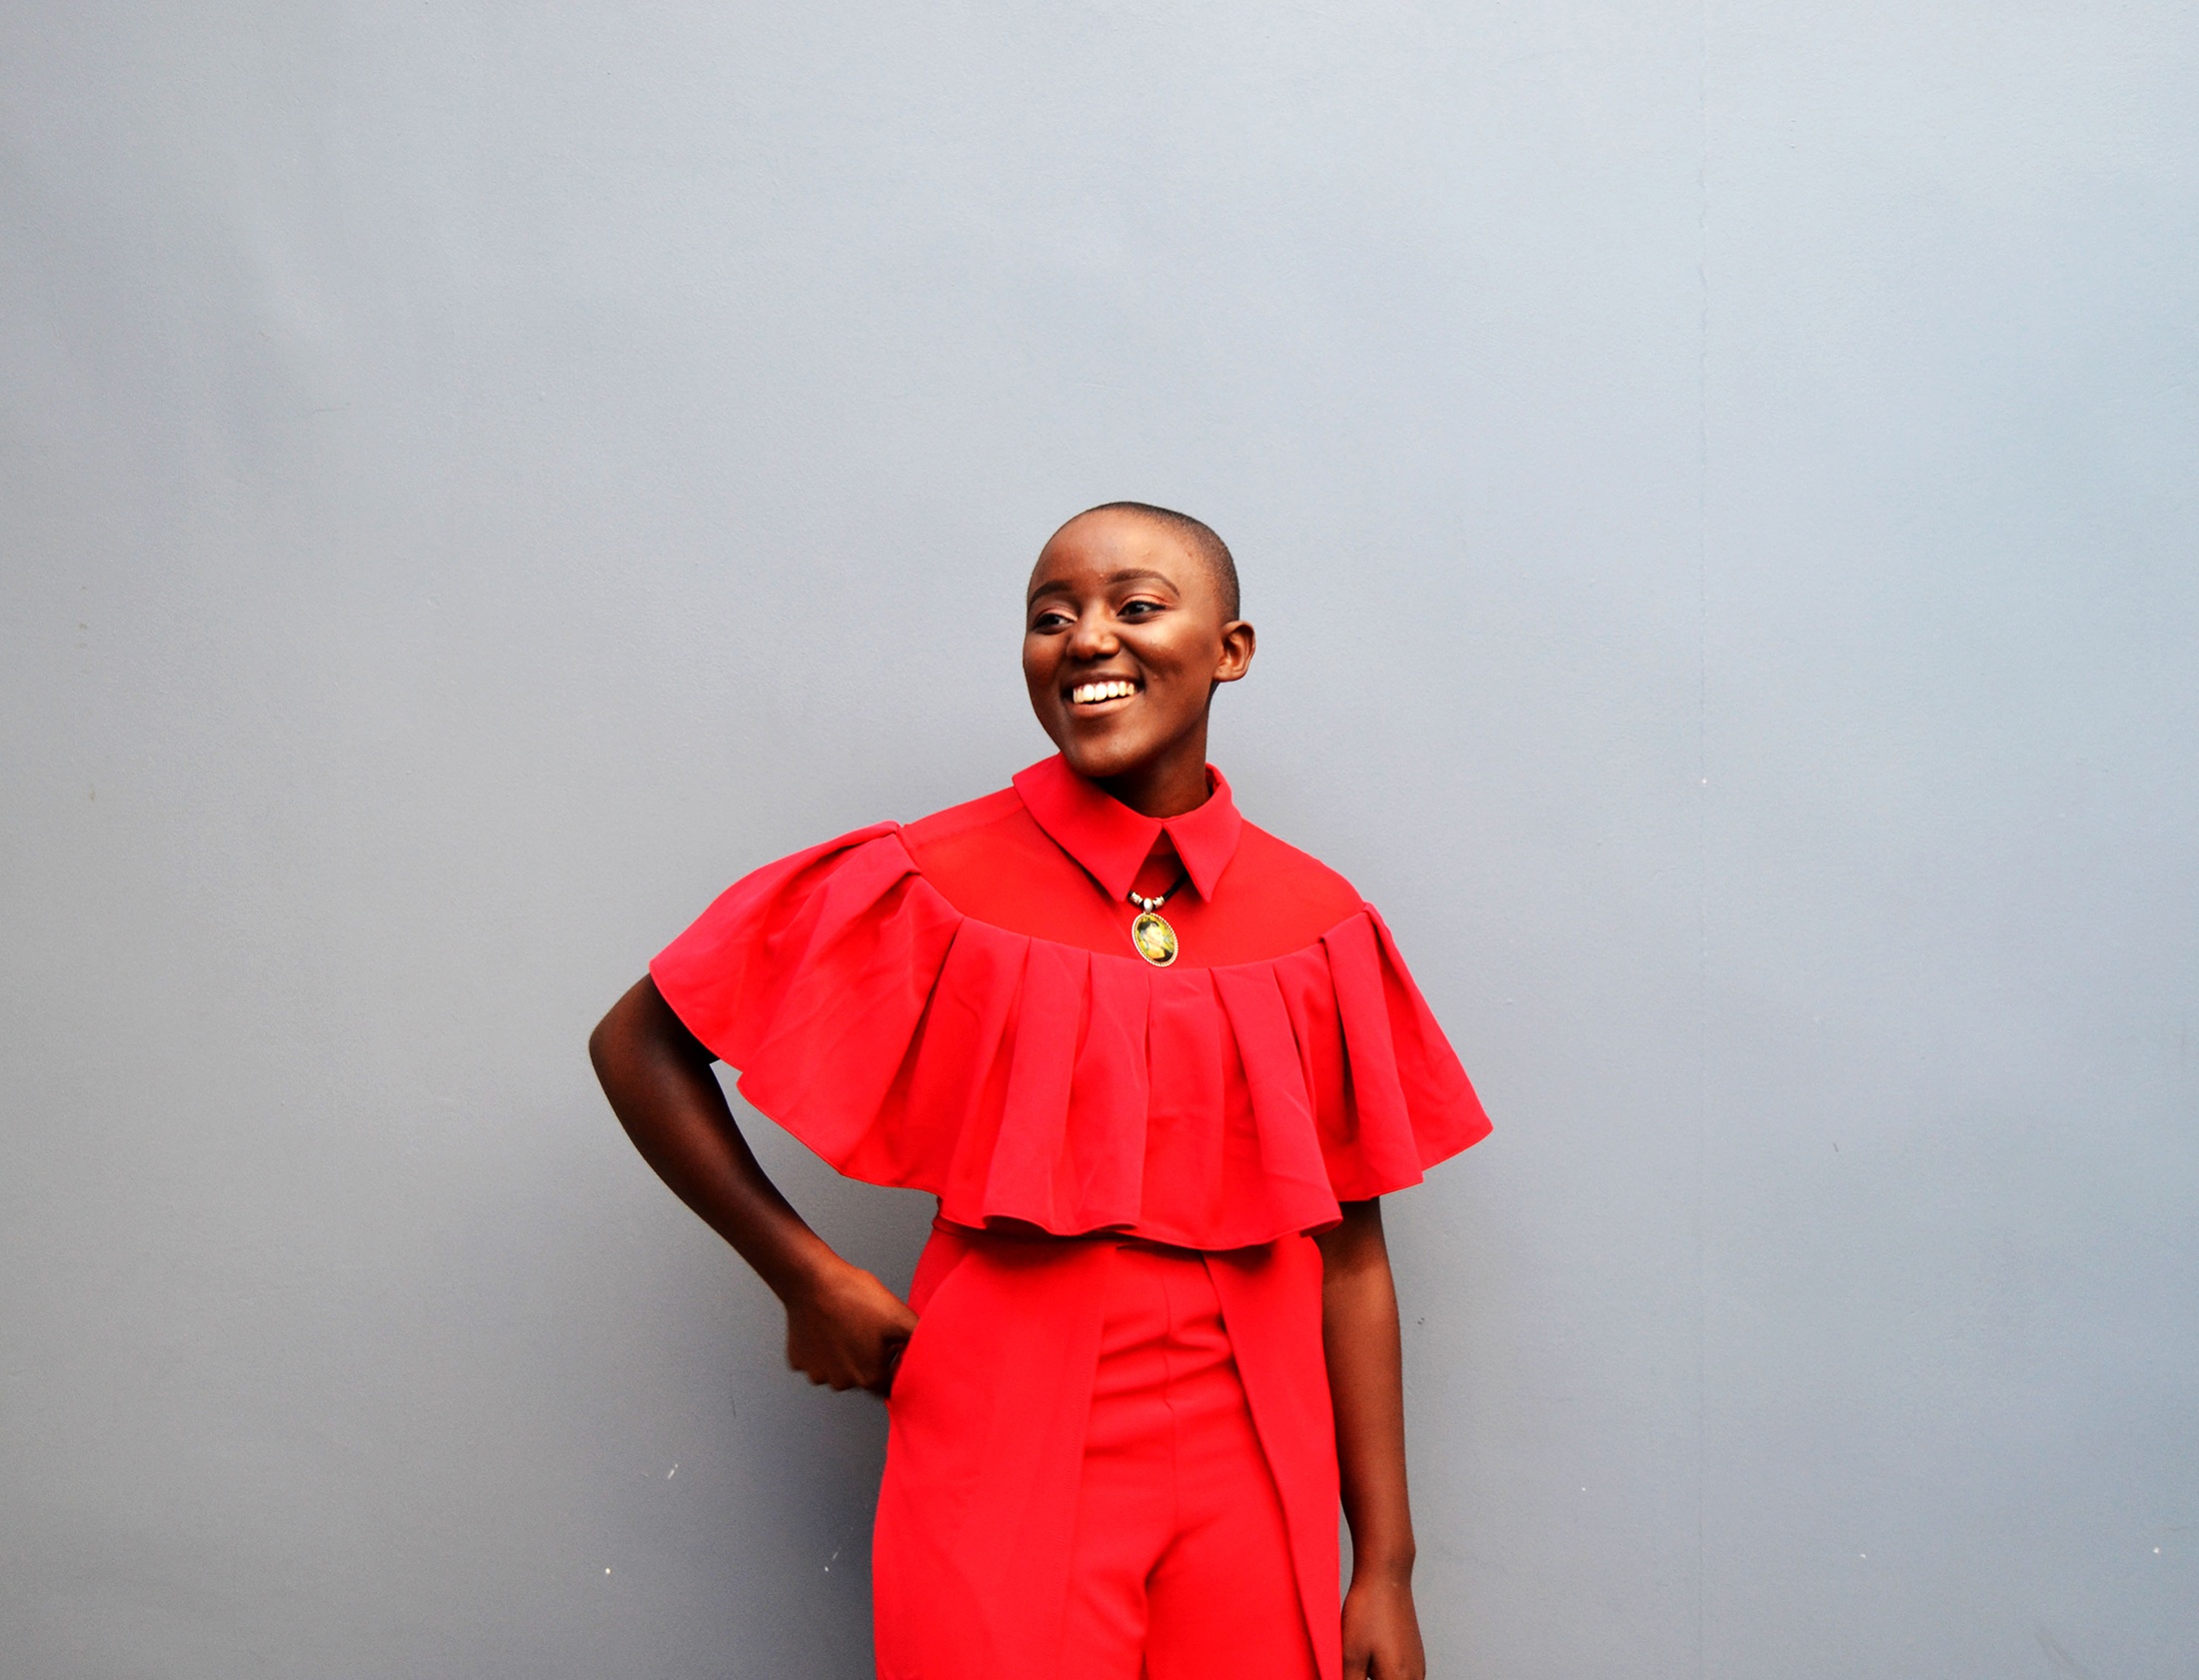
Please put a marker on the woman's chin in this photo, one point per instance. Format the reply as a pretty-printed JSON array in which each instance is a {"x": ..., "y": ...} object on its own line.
[{"x": 1103, "y": 755}]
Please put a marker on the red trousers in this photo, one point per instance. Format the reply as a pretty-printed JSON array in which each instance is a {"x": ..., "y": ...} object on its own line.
[{"x": 1086, "y": 1480}]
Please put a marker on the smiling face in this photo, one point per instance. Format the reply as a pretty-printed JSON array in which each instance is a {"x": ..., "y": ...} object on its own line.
[{"x": 1124, "y": 639}]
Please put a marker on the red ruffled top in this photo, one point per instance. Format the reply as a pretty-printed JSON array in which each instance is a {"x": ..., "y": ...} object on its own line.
[{"x": 1034, "y": 1080}]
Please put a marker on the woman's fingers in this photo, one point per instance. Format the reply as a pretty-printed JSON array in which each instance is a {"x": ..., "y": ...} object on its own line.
[
  {"x": 849, "y": 1336},
  {"x": 885, "y": 1384}
]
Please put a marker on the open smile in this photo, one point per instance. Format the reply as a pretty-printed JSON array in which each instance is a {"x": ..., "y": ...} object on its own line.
[{"x": 1102, "y": 691}]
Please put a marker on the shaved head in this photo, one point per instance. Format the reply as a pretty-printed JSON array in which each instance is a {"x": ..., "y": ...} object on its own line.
[{"x": 1200, "y": 536}]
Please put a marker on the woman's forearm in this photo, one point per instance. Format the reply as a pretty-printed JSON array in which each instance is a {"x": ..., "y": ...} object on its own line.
[
  {"x": 845, "y": 1328},
  {"x": 661, "y": 1087},
  {"x": 1367, "y": 1384}
]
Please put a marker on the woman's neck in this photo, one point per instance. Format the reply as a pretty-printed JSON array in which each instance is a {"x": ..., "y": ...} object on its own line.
[{"x": 1171, "y": 783}]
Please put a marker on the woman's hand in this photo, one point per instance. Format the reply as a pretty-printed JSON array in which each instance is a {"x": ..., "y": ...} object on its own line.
[
  {"x": 846, "y": 1329},
  {"x": 1382, "y": 1631}
]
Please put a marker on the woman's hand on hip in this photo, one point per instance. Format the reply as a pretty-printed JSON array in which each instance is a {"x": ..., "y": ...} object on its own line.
[{"x": 846, "y": 1329}]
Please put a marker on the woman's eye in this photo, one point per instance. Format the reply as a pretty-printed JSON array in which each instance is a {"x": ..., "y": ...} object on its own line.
[
  {"x": 1140, "y": 608},
  {"x": 1049, "y": 621}
]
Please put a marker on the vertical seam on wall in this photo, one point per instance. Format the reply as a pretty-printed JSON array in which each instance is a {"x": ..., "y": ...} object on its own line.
[{"x": 1702, "y": 772}]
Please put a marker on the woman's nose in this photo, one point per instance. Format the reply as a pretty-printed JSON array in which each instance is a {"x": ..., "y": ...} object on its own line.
[{"x": 1093, "y": 638}]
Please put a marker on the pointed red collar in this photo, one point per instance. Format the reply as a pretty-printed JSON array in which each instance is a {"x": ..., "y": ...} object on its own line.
[{"x": 1112, "y": 840}]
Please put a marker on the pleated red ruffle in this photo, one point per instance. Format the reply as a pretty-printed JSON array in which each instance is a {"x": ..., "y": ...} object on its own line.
[{"x": 1023, "y": 1079}]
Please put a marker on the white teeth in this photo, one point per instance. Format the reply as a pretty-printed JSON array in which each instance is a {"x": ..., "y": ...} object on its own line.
[{"x": 1087, "y": 693}]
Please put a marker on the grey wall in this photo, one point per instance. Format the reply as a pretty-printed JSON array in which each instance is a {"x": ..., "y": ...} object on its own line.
[{"x": 1716, "y": 490}]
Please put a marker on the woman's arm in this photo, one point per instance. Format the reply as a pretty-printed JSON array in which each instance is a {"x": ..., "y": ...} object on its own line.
[
  {"x": 844, "y": 1326},
  {"x": 1382, "y": 1631}
]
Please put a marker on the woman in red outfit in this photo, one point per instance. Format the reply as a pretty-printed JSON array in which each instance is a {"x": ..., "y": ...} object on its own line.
[{"x": 1158, "y": 1067}]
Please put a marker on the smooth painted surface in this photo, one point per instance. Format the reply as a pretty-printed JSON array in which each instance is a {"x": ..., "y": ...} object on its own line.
[{"x": 1715, "y": 487}]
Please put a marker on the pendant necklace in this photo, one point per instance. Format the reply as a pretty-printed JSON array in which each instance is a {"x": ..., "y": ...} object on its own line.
[{"x": 1149, "y": 932}]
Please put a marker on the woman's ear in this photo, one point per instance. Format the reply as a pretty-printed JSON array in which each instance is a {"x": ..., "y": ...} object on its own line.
[{"x": 1238, "y": 640}]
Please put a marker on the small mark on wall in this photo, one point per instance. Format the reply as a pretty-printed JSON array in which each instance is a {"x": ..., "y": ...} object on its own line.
[{"x": 2063, "y": 1662}]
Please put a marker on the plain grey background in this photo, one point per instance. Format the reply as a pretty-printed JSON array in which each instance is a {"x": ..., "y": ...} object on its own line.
[{"x": 1715, "y": 486}]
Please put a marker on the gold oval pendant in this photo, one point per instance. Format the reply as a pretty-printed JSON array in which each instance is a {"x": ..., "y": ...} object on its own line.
[{"x": 1153, "y": 937}]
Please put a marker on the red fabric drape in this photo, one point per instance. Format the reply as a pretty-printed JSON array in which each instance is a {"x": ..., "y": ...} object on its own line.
[{"x": 1037, "y": 1084}]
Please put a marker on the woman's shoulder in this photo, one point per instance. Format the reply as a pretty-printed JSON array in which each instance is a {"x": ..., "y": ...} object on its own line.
[
  {"x": 1278, "y": 871},
  {"x": 974, "y": 821},
  {"x": 990, "y": 859}
]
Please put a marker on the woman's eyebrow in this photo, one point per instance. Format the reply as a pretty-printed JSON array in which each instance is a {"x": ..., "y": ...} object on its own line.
[{"x": 1129, "y": 573}]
